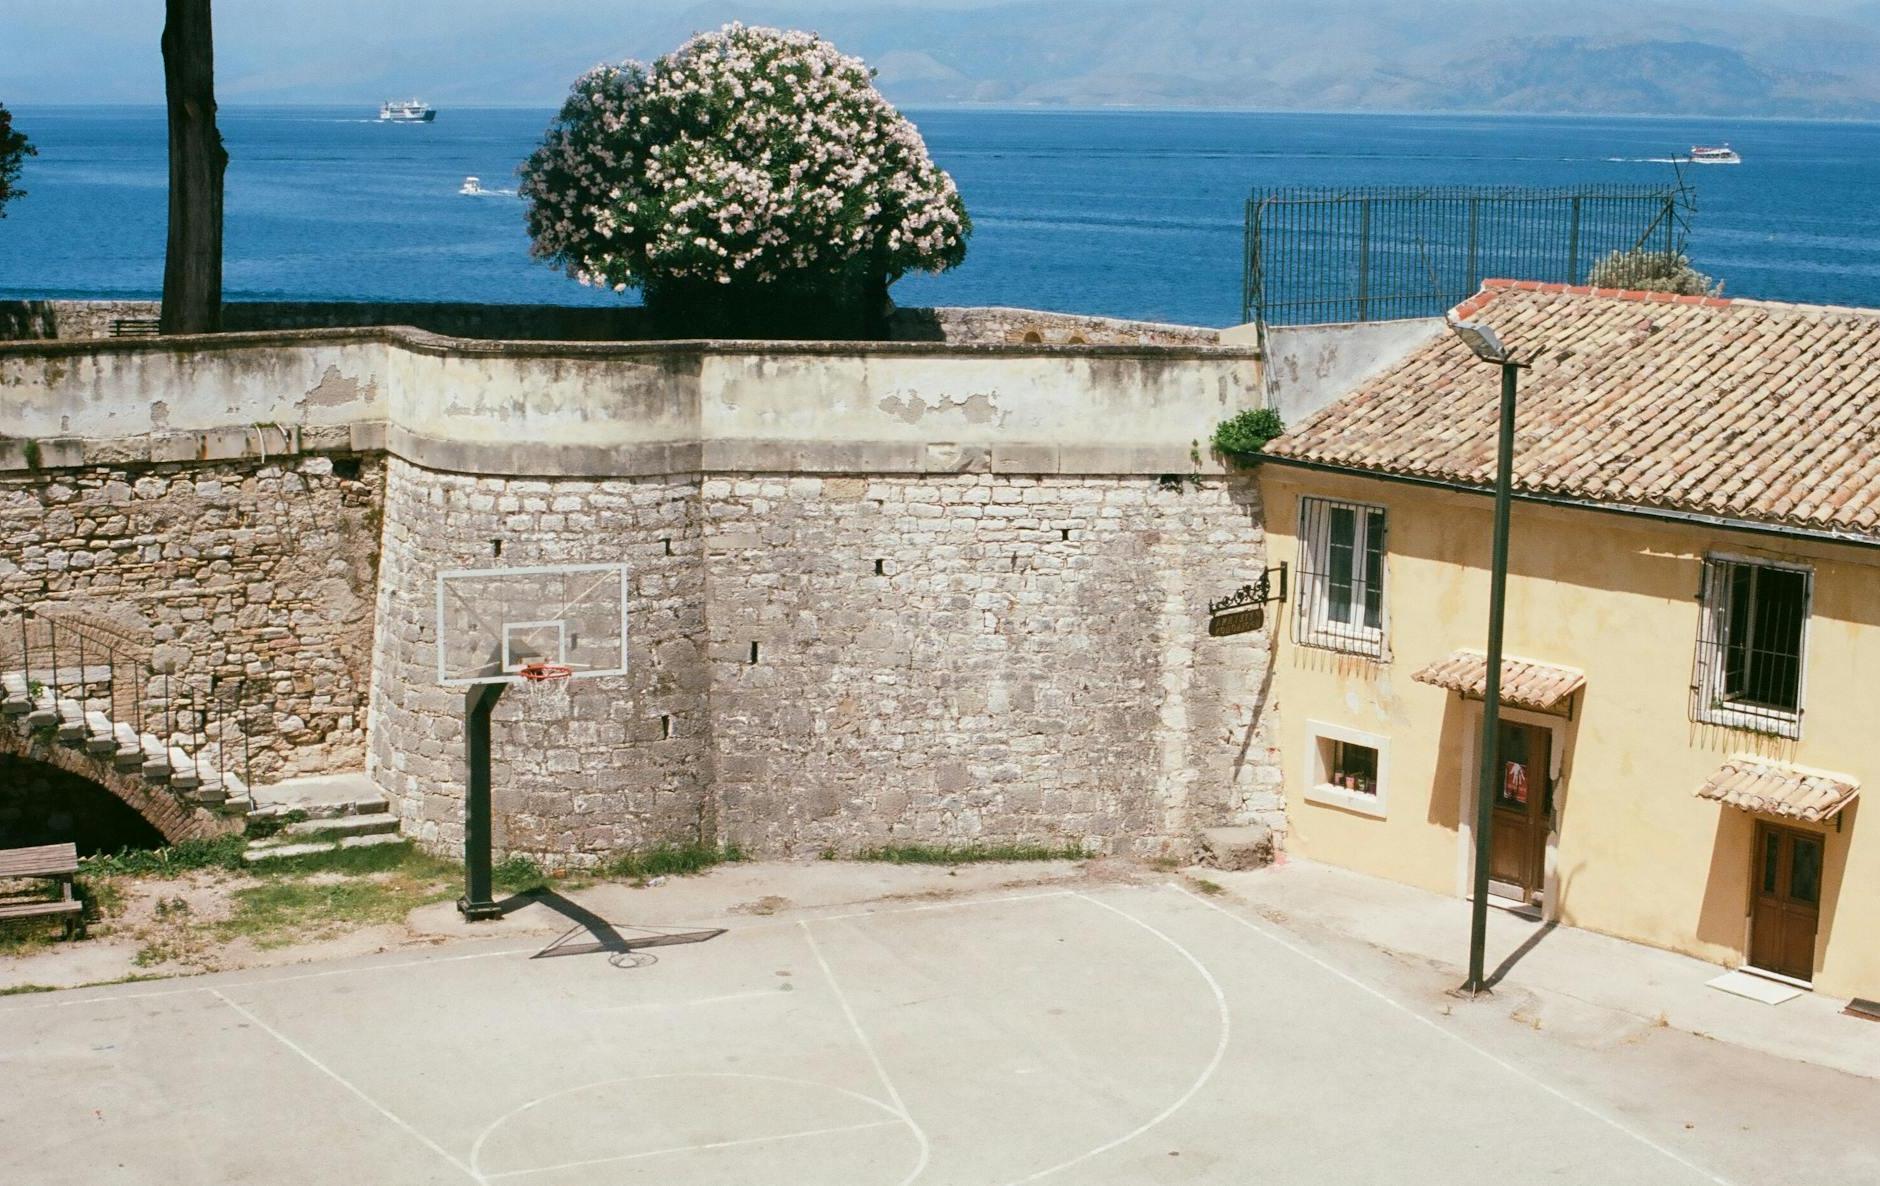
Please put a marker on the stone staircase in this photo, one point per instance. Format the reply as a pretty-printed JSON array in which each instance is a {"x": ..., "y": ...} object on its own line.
[
  {"x": 179, "y": 761},
  {"x": 327, "y": 812}
]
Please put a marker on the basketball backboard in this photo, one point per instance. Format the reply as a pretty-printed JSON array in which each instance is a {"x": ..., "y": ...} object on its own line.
[{"x": 490, "y": 621}]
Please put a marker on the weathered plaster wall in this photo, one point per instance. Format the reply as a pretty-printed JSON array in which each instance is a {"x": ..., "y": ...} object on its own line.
[
  {"x": 1634, "y": 852},
  {"x": 233, "y": 571},
  {"x": 1033, "y": 666},
  {"x": 580, "y": 323}
]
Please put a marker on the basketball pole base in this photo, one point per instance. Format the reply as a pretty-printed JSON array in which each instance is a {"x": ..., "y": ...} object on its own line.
[{"x": 478, "y": 703}]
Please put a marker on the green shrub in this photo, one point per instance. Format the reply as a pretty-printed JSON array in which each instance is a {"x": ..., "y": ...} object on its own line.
[
  {"x": 667, "y": 860},
  {"x": 217, "y": 852},
  {"x": 519, "y": 874},
  {"x": 1248, "y": 432}
]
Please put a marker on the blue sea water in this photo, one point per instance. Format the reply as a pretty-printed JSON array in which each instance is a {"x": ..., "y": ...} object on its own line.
[{"x": 1132, "y": 214}]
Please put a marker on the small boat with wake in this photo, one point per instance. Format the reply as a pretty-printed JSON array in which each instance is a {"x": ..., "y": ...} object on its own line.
[{"x": 1718, "y": 154}]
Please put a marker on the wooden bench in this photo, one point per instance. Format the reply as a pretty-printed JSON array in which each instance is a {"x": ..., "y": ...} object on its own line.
[
  {"x": 135, "y": 327},
  {"x": 57, "y": 862}
]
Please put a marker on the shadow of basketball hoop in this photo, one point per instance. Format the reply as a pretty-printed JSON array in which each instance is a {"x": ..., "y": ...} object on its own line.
[{"x": 623, "y": 950}]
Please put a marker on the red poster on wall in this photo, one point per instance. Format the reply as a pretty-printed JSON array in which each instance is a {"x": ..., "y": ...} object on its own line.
[{"x": 1514, "y": 783}]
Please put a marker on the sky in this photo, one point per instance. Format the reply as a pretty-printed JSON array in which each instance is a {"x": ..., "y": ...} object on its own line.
[
  {"x": 76, "y": 51},
  {"x": 525, "y": 52}
]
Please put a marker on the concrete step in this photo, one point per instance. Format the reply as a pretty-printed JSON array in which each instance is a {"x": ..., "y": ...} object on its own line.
[
  {"x": 100, "y": 735},
  {"x": 275, "y": 850},
  {"x": 346, "y": 825},
  {"x": 1248, "y": 847},
  {"x": 323, "y": 796}
]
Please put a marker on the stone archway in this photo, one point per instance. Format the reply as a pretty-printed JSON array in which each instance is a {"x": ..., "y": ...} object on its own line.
[{"x": 173, "y": 819}]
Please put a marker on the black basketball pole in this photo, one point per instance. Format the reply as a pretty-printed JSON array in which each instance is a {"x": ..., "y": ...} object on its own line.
[{"x": 479, "y": 702}]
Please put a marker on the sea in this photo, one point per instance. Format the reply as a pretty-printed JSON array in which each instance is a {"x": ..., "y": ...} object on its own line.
[{"x": 1121, "y": 213}]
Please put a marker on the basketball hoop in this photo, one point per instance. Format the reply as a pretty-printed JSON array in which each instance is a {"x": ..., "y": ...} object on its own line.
[{"x": 545, "y": 681}]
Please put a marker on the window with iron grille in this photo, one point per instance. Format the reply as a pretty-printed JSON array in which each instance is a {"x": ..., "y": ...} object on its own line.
[
  {"x": 1750, "y": 644},
  {"x": 1341, "y": 577}
]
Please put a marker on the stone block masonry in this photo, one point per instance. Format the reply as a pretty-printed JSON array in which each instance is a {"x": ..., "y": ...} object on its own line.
[
  {"x": 979, "y": 659},
  {"x": 942, "y": 591},
  {"x": 234, "y": 571},
  {"x": 620, "y": 762}
]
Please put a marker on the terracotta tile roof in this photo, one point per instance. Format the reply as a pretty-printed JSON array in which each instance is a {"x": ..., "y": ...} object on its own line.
[
  {"x": 1747, "y": 410},
  {"x": 1524, "y": 683},
  {"x": 1754, "y": 785}
]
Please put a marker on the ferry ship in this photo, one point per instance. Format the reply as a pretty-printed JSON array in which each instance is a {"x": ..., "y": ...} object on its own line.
[
  {"x": 1721, "y": 154},
  {"x": 407, "y": 111}
]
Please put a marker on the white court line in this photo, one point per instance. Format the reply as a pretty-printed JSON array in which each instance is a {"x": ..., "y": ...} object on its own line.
[
  {"x": 334, "y": 1075},
  {"x": 476, "y": 1150},
  {"x": 775, "y": 993},
  {"x": 1419, "y": 1018},
  {"x": 1207, "y": 1072},
  {"x": 788, "y": 1136},
  {"x": 920, "y": 1134}
]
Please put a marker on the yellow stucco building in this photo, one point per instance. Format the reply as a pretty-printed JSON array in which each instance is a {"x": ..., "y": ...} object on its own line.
[{"x": 1692, "y": 683}]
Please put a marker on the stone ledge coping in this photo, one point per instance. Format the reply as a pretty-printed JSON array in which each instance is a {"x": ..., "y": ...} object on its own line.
[
  {"x": 601, "y": 461},
  {"x": 425, "y": 342}
]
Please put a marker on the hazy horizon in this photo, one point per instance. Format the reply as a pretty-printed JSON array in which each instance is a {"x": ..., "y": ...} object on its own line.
[{"x": 1769, "y": 58}]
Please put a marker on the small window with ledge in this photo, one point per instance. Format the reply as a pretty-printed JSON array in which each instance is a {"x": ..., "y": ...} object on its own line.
[
  {"x": 1341, "y": 577},
  {"x": 1751, "y": 639},
  {"x": 1347, "y": 767}
]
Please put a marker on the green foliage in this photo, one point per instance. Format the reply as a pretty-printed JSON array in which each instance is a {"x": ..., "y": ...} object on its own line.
[
  {"x": 519, "y": 875},
  {"x": 1248, "y": 432},
  {"x": 218, "y": 852},
  {"x": 1652, "y": 271},
  {"x": 946, "y": 854},
  {"x": 14, "y": 149},
  {"x": 404, "y": 858},
  {"x": 751, "y": 183},
  {"x": 261, "y": 827},
  {"x": 667, "y": 860}
]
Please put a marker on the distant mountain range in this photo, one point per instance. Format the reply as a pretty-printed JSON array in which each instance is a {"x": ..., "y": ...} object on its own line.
[{"x": 1713, "y": 57}]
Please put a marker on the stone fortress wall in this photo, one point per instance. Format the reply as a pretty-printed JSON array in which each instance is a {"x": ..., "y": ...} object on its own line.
[{"x": 940, "y": 591}]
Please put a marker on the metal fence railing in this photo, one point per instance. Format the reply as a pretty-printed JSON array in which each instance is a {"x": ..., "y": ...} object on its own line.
[
  {"x": 1320, "y": 256},
  {"x": 93, "y": 685}
]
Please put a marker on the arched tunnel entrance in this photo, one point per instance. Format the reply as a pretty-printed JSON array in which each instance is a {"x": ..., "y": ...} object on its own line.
[{"x": 42, "y": 804}]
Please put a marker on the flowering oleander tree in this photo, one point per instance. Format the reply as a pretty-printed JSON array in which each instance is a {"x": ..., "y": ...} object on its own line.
[{"x": 751, "y": 182}]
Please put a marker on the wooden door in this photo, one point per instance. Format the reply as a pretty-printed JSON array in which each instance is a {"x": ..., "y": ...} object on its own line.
[
  {"x": 1523, "y": 806},
  {"x": 1787, "y": 903}
]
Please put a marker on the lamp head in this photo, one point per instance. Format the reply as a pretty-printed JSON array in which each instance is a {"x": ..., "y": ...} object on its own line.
[{"x": 1482, "y": 339}]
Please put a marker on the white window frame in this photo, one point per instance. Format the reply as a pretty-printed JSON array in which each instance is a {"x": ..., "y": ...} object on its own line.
[
  {"x": 1714, "y": 605},
  {"x": 1316, "y": 625},
  {"x": 1318, "y": 780}
]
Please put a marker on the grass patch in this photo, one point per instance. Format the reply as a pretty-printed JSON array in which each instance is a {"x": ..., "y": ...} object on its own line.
[
  {"x": 1207, "y": 887},
  {"x": 217, "y": 852},
  {"x": 967, "y": 854},
  {"x": 363, "y": 887},
  {"x": 518, "y": 875},
  {"x": 403, "y": 857},
  {"x": 19, "y": 990},
  {"x": 668, "y": 860}
]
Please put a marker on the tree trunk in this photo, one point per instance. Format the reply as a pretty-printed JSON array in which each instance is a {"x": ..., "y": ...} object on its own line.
[{"x": 192, "y": 262}]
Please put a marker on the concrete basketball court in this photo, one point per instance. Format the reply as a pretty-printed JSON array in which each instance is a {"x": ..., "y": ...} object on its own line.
[{"x": 1089, "y": 1033}]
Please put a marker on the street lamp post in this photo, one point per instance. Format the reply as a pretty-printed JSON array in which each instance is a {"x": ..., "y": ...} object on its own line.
[{"x": 1488, "y": 347}]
